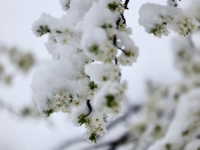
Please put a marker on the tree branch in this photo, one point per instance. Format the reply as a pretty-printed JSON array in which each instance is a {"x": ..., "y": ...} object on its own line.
[
  {"x": 131, "y": 110},
  {"x": 111, "y": 144},
  {"x": 89, "y": 107},
  {"x": 126, "y": 4}
]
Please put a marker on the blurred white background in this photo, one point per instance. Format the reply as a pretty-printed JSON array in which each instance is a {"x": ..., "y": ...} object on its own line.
[{"x": 16, "y": 18}]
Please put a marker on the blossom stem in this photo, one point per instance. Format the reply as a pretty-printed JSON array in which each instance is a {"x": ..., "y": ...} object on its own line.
[
  {"x": 89, "y": 107},
  {"x": 126, "y": 4},
  {"x": 115, "y": 44}
]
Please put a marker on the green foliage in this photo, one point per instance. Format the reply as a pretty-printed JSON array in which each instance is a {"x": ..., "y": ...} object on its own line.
[
  {"x": 58, "y": 31},
  {"x": 112, "y": 6},
  {"x": 129, "y": 54},
  {"x": 92, "y": 138},
  {"x": 48, "y": 112},
  {"x": 186, "y": 132},
  {"x": 68, "y": 5},
  {"x": 110, "y": 101},
  {"x": 104, "y": 78},
  {"x": 94, "y": 49},
  {"x": 92, "y": 85},
  {"x": 153, "y": 31},
  {"x": 168, "y": 146},
  {"x": 81, "y": 119},
  {"x": 43, "y": 30},
  {"x": 105, "y": 26},
  {"x": 176, "y": 96},
  {"x": 71, "y": 98},
  {"x": 157, "y": 128}
]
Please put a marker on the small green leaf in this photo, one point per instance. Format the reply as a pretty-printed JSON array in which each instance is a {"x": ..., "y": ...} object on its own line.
[
  {"x": 71, "y": 98},
  {"x": 157, "y": 128},
  {"x": 112, "y": 6},
  {"x": 92, "y": 85},
  {"x": 176, "y": 96},
  {"x": 48, "y": 112},
  {"x": 129, "y": 54},
  {"x": 110, "y": 101},
  {"x": 186, "y": 132},
  {"x": 168, "y": 146},
  {"x": 93, "y": 137},
  {"x": 94, "y": 49},
  {"x": 81, "y": 119},
  {"x": 43, "y": 30},
  {"x": 58, "y": 31}
]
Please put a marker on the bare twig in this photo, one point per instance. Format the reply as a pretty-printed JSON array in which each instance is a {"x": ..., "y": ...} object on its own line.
[
  {"x": 89, "y": 107},
  {"x": 126, "y": 4},
  {"x": 111, "y": 144}
]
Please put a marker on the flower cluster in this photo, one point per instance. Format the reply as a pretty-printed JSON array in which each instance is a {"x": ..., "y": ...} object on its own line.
[
  {"x": 88, "y": 46},
  {"x": 158, "y": 20},
  {"x": 187, "y": 58},
  {"x": 184, "y": 128},
  {"x": 169, "y": 118},
  {"x": 16, "y": 61}
]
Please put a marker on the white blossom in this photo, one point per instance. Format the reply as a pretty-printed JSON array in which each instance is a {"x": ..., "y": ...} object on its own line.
[
  {"x": 88, "y": 45},
  {"x": 158, "y": 19}
]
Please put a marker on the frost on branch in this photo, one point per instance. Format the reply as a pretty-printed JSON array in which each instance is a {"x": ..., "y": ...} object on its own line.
[
  {"x": 159, "y": 20},
  {"x": 88, "y": 45}
]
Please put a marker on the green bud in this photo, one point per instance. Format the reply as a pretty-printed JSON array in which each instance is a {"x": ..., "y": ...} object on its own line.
[
  {"x": 129, "y": 54},
  {"x": 112, "y": 6},
  {"x": 48, "y": 112},
  {"x": 157, "y": 128},
  {"x": 92, "y": 85},
  {"x": 186, "y": 132},
  {"x": 168, "y": 146},
  {"x": 94, "y": 49},
  {"x": 93, "y": 137},
  {"x": 81, "y": 119},
  {"x": 110, "y": 101},
  {"x": 43, "y": 30}
]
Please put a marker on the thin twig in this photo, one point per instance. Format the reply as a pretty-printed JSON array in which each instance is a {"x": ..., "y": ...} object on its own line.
[
  {"x": 126, "y": 4},
  {"x": 116, "y": 61},
  {"x": 124, "y": 19},
  {"x": 115, "y": 44},
  {"x": 89, "y": 107},
  {"x": 111, "y": 144}
]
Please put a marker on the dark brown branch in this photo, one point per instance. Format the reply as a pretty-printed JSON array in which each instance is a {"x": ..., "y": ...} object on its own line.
[
  {"x": 118, "y": 22},
  {"x": 115, "y": 44},
  {"x": 126, "y": 4},
  {"x": 116, "y": 61},
  {"x": 124, "y": 19},
  {"x": 89, "y": 107},
  {"x": 111, "y": 144}
]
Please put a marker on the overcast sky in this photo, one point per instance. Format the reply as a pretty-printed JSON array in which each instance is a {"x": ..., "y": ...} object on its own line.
[{"x": 16, "y": 18}]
